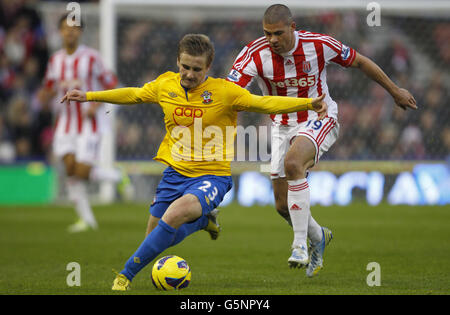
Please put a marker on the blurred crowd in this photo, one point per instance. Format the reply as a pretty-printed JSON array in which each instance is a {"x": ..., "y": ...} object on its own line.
[
  {"x": 371, "y": 127},
  {"x": 25, "y": 126}
]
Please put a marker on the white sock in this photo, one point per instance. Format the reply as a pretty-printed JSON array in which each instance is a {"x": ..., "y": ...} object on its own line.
[
  {"x": 71, "y": 192},
  {"x": 77, "y": 192},
  {"x": 314, "y": 230},
  {"x": 105, "y": 174},
  {"x": 298, "y": 203}
]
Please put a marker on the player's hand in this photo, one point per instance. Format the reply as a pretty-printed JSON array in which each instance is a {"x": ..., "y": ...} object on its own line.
[
  {"x": 404, "y": 99},
  {"x": 74, "y": 95},
  {"x": 320, "y": 107}
]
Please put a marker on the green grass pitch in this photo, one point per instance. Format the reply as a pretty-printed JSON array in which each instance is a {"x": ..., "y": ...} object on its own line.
[{"x": 411, "y": 245}]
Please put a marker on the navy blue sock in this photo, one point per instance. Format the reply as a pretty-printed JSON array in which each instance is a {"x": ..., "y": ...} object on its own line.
[
  {"x": 154, "y": 244},
  {"x": 189, "y": 228}
]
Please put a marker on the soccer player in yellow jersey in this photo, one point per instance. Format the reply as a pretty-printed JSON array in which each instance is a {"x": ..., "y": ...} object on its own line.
[{"x": 200, "y": 115}]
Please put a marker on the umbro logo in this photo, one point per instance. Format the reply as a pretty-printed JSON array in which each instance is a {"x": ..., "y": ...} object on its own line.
[{"x": 295, "y": 207}]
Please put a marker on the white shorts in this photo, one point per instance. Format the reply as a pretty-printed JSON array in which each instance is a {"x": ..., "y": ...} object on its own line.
[
  {"x": 322, "y": 133},
  {"x": 85, "y": 146}
]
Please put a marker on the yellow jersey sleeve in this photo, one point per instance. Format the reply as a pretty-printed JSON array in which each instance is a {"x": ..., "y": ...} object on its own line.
[
  {"x": 149, "y": 93},
  {"x": 242, "y": 100},
  {"x": 122, "y": 96}
]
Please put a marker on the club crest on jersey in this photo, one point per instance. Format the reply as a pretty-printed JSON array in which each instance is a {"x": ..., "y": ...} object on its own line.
[
  {"x": 306, "y": 67},
  {"x": 206, "y": 97}
]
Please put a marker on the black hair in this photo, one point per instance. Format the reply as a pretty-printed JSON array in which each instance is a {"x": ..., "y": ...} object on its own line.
[{"x": 278, "y": 13}]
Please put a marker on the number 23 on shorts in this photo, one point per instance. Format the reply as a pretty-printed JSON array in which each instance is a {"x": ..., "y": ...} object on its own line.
[{"x": 211, "y": 191}]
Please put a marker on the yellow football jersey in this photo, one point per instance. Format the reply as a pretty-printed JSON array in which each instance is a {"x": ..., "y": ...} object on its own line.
[{"x": 200, "y": 122}]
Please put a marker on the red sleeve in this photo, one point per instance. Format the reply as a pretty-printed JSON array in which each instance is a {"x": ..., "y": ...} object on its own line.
[
  {"x": 335, "y": 51},
  {"x": 244, "y": 68},
  {"x": 107, "y": 78},
  {"x": 345, "y": 56}
]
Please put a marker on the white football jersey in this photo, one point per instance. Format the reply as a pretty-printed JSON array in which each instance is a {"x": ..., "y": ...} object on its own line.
[{"x": 83, "y": 70}]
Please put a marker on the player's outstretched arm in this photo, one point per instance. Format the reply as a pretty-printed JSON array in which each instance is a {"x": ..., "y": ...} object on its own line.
[
  {"x": 282, "y": 104},
  {"x": 402, "y": 97},
  {"x": 120, "y": 96}
]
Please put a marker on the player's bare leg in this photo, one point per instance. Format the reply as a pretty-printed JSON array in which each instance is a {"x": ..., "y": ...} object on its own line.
[
  {"x": 212, "y": 228},
  {"x": 151, "y": 224},
  {"x": 82, "y": 170},
  {"x": 74, "y": 168},
  {"x": 299, "y": 158},
  {"x": 69, "y": 163},
  {"x": 185, "y": 209},
  {"x": 280, "y": 191},
  {"x": 186, "y": 216},
  {"x": 86, "y": 172}
]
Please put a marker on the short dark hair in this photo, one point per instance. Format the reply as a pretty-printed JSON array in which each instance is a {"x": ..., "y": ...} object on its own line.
[
  {"x": 63, "y": 19},
  {"x": 197, "y": 45},
  {"x": 277, "y": 13}
]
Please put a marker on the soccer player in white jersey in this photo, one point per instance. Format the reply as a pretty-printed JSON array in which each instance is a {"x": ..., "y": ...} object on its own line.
[
  {"x": 79, "y": 127},
  {"x": 293, "y": 63}
]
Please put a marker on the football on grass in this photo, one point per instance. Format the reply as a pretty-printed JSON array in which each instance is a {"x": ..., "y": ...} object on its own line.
[{"x": 171, "y": 273}]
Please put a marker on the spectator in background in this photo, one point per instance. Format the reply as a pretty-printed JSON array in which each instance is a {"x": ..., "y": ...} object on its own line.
[
  {"x": 7, "y": 152},
  {"x": 20, "y": 123},
  {"x": 441, "y": 35},
  {"x": 411, "y": 143},
  {"x": 386, "y": 140},
  {"x": 23, "y": 53},
  {"x": 397, "y": 59},
  {"x": 430, "y": 133},
  {"x": 445, "y": 142},
  {"x": 7, "y": 75}
]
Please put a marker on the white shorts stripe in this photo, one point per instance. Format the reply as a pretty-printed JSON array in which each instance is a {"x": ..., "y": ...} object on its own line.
[{"x": 330, "y": 124}]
